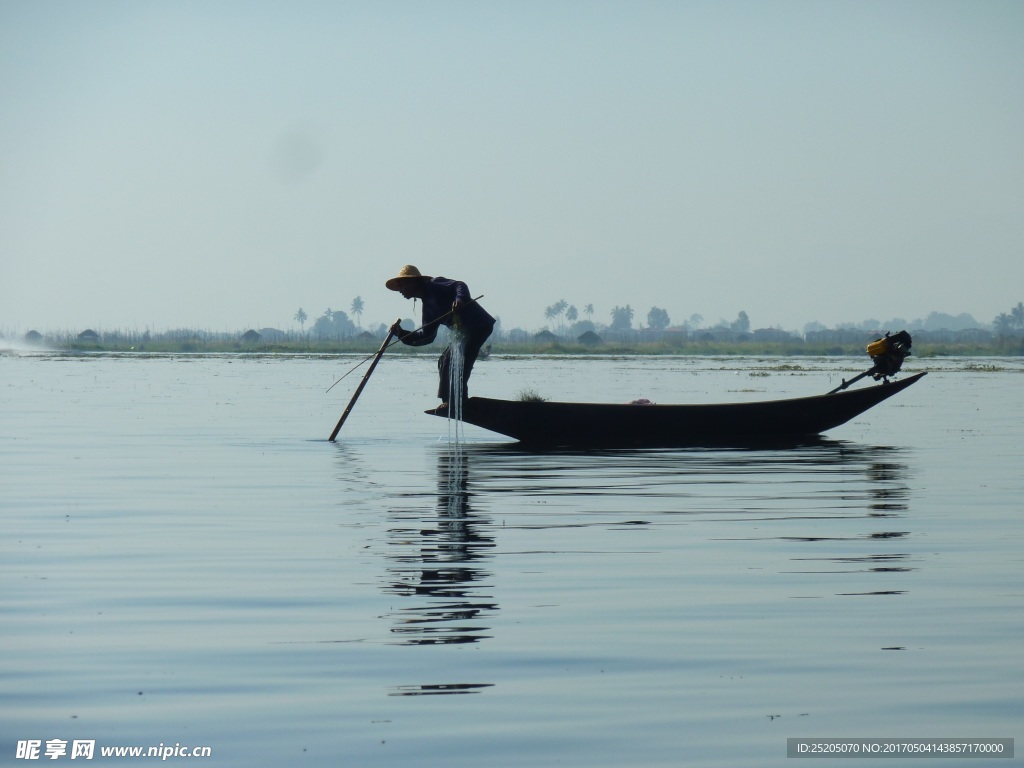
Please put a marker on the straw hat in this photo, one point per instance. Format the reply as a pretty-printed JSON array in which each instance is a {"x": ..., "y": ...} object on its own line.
[{"x": 408, "y": 272}]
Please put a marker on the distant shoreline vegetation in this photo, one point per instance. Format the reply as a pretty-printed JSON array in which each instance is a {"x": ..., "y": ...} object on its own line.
[
  {"x": 334, "y": 332},
  {"x": 714, "y": 341}
]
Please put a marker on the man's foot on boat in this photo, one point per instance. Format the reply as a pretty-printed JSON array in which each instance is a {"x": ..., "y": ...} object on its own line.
[{"x": 445, "y": 408}]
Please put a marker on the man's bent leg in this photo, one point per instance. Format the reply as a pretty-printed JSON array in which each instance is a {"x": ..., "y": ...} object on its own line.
[{"x": 444, "y": 368}]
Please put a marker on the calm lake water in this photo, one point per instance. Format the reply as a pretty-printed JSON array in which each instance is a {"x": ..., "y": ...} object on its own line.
[{"x": 187, "y": 560}]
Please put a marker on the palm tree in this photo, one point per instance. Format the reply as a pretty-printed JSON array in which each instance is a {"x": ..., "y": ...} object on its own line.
[
  {"x": 589, "y": 311},
  {"x": 571, "y": 315},
  {"x": 622, "y": 318},
  {"x": 1017, "y": 313},
  {"x": 550, "y": 313},
  {"x": 301, "y": 318},
  {"x": 357, "y": 310},
  {"x": 556, "y": 310}
]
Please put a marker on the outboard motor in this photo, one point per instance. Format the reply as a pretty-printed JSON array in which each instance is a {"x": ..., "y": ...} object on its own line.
[
  {"x": 887, "y": 356},
  {"x": 888, "y": 353}
]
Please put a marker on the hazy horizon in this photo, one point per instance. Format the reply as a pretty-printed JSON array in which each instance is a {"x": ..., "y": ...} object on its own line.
[
  {"x": 876, "y": 324},
  {"x": 177, "y": 164}
]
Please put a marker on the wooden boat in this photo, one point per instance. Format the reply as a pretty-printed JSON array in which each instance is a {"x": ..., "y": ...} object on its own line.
[{"x": 538, "y": 423}]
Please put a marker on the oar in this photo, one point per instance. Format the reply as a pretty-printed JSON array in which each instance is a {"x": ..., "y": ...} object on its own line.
[
  {"x": 366, "y": 377},
  {"x": 432, "y": 322}
]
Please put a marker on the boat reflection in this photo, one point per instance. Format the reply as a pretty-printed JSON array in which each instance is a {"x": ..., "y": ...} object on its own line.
[
  {"x": 847, "y": 497},
  {"x": 823, "y": 475},
  {"x": 848, "y": 503},
  {"x": 437, "y": 560}
]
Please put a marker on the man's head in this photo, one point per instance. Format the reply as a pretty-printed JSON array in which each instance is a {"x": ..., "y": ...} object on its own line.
[{"x": 409, "y": 282}]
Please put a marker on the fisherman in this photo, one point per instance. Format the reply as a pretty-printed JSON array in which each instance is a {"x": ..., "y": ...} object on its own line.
[{"x": 445, "y": 302}]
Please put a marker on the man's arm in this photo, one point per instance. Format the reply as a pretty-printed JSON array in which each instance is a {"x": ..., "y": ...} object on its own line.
[{"x": 418, "y": 338}]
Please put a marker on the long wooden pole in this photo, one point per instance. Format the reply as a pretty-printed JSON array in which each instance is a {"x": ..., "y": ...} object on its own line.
[{"x": 366, "y": 377}]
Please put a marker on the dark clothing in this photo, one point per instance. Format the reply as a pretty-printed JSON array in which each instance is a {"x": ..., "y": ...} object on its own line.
[
  {"x": 471, "y": 325},
  {"x": 470, "y": 351}
]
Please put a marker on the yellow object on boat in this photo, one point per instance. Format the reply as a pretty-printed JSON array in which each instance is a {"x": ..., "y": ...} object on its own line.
[{"x": 878, "y": 347}]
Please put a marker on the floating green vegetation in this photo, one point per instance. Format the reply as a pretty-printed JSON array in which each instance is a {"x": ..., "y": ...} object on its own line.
[
  {"x": 767, "y": 369},
  {"x": 985, "y": 368},
  {"x": 530, "y": 396}
]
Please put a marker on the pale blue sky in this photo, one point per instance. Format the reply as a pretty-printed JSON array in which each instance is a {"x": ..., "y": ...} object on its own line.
[{"x": 220, "y": 164}]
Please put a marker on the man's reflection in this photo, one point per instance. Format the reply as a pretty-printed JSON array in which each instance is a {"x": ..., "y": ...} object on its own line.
[{"x": 436, "y": 557}]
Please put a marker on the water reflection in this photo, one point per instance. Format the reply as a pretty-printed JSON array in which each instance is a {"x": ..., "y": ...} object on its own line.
[
  {"x": 439, "y": 690},
  {"x": 846, "y": 502},
  {"x": 438, "y": 560},
  {"x": 822, "y": 476},
  {"x": 813, "y": 493}
]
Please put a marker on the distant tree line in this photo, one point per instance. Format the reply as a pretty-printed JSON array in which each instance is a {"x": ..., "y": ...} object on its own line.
[
  {"x": 658, "y": 320},
  {"x": 1005, "y": 335},
  {"x": 565, "y": 321},
  {"x": 333, "y": 324},
  {"x": 1008, "y": 322}
]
